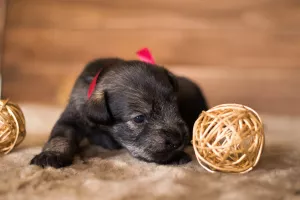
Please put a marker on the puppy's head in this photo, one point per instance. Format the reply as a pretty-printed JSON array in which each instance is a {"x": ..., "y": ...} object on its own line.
[{"x": 137, "y": 103}]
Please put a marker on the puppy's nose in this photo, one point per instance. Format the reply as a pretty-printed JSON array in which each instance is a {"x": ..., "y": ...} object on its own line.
[
  {"x": 173, "y": 144},
  {"x": 184, "y": 131},
  {"x": 174, "y": 139}
]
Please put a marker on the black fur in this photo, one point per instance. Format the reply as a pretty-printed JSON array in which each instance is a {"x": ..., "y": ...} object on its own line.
[{"x": 126, "y": 89}]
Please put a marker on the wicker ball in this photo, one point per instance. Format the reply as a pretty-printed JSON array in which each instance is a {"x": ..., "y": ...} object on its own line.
[
  {"x": 228, "y": 138},
  {"x": 12, "y": 126}
]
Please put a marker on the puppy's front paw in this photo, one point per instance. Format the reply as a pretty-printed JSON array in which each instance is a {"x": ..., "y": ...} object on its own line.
[
  {"x": 180, "y": 158},
  {"x": 51, "y": 159}
]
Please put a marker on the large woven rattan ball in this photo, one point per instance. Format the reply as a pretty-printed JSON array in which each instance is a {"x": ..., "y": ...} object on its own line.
[
  {"x": 12, "y": 126},
  {"x": 228, "y": 138}
]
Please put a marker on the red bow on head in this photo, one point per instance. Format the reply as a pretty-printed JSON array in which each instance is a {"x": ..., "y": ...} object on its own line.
[
  {"x": 93, "y": 85},
  {"x": 143, "y": 54}
]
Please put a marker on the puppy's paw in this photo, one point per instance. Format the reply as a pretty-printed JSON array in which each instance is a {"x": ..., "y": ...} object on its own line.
[
  {"x": 180, "y": 158},
  {"x": 51, "y": 159}
]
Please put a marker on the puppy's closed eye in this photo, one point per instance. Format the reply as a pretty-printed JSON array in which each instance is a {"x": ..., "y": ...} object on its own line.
[
  {"x": 136, "y": 121},
  {"x": 139, "y": 119}
]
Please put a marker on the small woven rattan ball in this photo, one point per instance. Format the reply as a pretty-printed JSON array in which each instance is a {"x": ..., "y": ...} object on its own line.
[
  {"x": 228, "y": 138},
  {"x": 12, "y": 126}
]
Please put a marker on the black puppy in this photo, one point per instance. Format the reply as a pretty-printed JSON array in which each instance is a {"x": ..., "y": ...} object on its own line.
[{"x": 141, "y": 107}]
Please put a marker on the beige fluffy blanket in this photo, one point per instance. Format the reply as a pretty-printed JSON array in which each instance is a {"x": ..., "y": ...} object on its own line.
[{"x": 115, "y": 175}]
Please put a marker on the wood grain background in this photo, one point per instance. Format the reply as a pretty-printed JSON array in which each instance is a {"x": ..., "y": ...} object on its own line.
[
  {"x": 240, "y": 51},
  {"x": 2, "y": 25}
]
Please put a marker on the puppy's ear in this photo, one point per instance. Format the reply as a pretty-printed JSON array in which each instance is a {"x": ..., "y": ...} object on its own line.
[
  {"x": 173, "y": 80},
  {"x": 96, "y": 108}
]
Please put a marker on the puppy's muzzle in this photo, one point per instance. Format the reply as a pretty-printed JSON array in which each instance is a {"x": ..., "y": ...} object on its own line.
[{"x": 176, "y": 138}]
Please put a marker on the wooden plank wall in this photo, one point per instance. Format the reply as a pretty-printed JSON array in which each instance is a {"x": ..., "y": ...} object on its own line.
[
  {"x": 2, "y": 25},
  {"x": 241, "y": 51}
]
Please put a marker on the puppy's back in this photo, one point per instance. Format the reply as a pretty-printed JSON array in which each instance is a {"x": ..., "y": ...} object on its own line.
[{"x": 191, "y": 101}]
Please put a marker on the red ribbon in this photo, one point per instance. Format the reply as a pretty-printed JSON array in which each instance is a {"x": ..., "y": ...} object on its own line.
[
  {"x": 143, "y": 54},
  {"x": 93, "y": 85}
]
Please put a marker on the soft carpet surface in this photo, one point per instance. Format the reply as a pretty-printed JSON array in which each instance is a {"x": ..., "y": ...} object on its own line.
[{"x": 97, "y": 174}]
